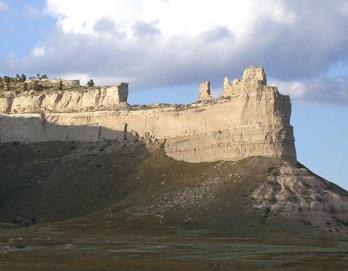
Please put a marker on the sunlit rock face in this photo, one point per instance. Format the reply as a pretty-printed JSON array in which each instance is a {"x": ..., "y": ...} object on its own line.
[
  {"x": 297, "y": 194},
  {"x": 250, "y": 119},
  {"x": 204, "y": 92},
  {"x": 96, "y": 99}
]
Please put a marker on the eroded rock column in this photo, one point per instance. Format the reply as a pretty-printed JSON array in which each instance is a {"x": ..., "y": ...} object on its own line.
[{"x": 204, "y": 92}]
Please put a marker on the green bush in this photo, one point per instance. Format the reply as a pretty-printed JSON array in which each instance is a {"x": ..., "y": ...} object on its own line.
[
  {"x": 23, "y": 77},
  {"x": 90, "y": 83},
  {"x": 37, "y": 86},
  {"x": 25, "y": 86},
  {"x": 60, "y": 85},
  {"x": 7, "y": 79}
]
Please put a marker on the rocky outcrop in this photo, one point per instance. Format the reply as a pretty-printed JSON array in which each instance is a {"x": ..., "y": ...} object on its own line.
[
  {"x": 204, "y": 92},
  {"x": 252, "y": 119},
  {"x": 54, "y": 83},
  {"x": 96, "y": 99},
  {"x": 253, "y": 77},
  {"x": 255, "y": 74},
  {"x": 297, "y": 194}
]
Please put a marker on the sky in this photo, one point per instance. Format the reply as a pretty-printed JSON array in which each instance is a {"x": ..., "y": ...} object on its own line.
[{"x": 164, "y": 48}]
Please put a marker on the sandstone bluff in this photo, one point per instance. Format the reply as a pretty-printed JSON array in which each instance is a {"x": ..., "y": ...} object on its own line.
[
  {"x": 250, "y": 119},
  {"x": 82, "y": 171}
]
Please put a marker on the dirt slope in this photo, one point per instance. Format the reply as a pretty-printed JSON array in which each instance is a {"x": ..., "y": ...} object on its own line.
[{"x": 133, "y": 189}]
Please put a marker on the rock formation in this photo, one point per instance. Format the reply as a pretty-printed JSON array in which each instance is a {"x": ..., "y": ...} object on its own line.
[
  {"x": 204, "y": 92},
  {"x": 56, "y": 82},
  {"x": 253, "y": 77},
  {"x": 251, "y": 119},
  {"x": 297, "y": 194},
  {"x": 96, "y": 99}
]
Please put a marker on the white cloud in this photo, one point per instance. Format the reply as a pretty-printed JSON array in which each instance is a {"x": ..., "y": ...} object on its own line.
[
  {"x": 319, "y": 90},
  {"x": 158, "y": 43},
  {"x": 173, "y": 17},
  {"x": 294, "y": 88},
  {"x": 3, "y": 6},
  {"x": 38, "y": 51}
]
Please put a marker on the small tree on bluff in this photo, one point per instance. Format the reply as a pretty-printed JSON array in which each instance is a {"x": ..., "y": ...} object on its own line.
[
  {"x": 25, "y": 86},
  {"x": 23, "y": 77},
  {"x": 90, "y": 83},
  {"x": 37, "y": 86},
  {"x": 60, "y": 85},
  {"x": 7, "y": 79}
]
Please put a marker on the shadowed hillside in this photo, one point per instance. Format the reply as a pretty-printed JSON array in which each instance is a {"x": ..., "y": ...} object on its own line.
[
  {"x": 141, "y": 190},
  {"x": 127, "y": 206},
  {"x": 58, "y": 180}
]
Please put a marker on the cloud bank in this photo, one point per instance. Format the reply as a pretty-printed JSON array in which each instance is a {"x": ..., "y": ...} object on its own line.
[{"x": 159, "y": 43}]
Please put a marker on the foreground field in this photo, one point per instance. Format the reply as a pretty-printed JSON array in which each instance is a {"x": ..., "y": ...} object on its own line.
[{"x": 45, "y": 248}]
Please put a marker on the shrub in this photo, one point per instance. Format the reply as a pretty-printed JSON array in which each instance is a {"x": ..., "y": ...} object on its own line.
[
  {"x": 23, "y": 77},
  {"x": 90, "y": 83},
  {"x": 7, "y": 79},
  {"x": 60, "y": 85},
  {"x": 37, "y": 86},
  {"x": 25, "y": 86}
]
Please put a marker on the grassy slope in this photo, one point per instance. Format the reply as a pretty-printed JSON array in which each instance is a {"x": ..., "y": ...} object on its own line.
[
  {"x": 147, "y": 212},
  {"x": 55, "y": 181},
  {"x": 134, "y": 190},
  {"x": 212, "y": 198}
]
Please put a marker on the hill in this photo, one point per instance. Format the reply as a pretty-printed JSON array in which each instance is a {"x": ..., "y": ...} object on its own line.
[
  {"x": 135, "y": 187},
  {"x": 112, "y": 206}
]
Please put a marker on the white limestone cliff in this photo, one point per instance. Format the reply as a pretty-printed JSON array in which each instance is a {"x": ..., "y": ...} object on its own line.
[
  {"x": 252, "y": 119},
  {"x": 204, "y": 92},
  {"x": 96, "y": 99},
  {"x": 253, "y": 77}
]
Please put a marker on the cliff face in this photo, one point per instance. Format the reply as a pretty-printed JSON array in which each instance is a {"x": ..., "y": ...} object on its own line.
[
  {"x": 252, "y": 120},
  {"x": 68, "y": 101}
]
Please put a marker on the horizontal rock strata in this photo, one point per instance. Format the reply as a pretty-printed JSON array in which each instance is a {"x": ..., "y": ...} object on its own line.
[
  {"x": 252, "y": 120},
  {"x": 66, "y": 101}
]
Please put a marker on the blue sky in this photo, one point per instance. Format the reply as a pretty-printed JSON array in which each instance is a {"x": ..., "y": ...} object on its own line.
[
  {"x": 22, "y": 30},
  {"x": 303, "y": 47}
]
